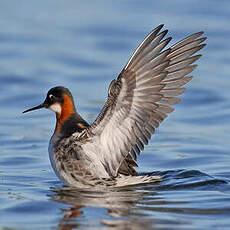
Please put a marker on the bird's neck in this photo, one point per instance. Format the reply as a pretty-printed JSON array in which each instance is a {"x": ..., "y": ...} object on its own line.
[
  {"x": 73, "y": 123},
  {"x": 68, "y": 121},
  {"x": 67, "y": 112}
]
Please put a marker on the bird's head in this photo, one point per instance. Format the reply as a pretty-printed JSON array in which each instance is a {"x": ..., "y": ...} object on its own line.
[{"x": 59, "y": 99}]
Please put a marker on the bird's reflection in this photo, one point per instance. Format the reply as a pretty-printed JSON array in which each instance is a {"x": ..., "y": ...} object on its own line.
[{"x": 121, "y": 206}]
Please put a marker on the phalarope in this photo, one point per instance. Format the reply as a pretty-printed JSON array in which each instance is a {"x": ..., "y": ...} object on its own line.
[{"x": 105, "y": 152}]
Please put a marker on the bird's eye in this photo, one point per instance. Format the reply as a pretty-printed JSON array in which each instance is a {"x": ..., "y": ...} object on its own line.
[{"x": 51, "y": 96}]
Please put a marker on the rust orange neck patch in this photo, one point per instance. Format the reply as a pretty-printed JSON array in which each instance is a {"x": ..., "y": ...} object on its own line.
[{"x": 67, "y": 109}]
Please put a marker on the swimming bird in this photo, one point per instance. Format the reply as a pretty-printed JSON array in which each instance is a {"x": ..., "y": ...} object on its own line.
[{"x": 105, "y": 152}]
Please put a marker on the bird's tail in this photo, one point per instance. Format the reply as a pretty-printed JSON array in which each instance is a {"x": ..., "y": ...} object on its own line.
[{"x": 122, "y": 180}]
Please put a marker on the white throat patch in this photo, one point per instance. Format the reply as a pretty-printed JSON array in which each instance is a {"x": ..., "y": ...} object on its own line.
[{"x": 56, "y": 108}]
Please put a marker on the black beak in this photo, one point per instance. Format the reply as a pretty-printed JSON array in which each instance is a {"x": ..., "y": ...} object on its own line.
[{"x": 43, "y": 105}]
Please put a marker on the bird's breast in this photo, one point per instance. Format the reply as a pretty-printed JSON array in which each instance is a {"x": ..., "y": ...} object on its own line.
[{"x": 52, "y": 158}]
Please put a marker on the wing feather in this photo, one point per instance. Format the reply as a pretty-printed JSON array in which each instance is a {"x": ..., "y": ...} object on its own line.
[{"x": 141, "y": 98}]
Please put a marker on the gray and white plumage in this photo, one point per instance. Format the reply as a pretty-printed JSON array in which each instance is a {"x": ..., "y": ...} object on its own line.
[{"x": 138, "y": 101}]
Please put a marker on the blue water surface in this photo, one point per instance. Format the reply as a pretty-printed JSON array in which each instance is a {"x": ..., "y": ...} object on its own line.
[{"x": 83, "y": 45}]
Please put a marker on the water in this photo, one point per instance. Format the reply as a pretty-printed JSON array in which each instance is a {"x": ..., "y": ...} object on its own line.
[{"x": 83, "y": 46}]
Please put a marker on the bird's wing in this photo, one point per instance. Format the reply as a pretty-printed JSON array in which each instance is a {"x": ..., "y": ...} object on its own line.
[{"x": 141, "y": 97}]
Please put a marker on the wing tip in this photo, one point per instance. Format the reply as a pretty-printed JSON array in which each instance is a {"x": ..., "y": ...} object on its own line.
[
  {"x": 191, "y": 68},
  {"x": 199, "y": 33},
  {"x": 202, "y": 39},
  {"x": 160, "y": 26},
  {"x": 188, "y": 79},
  {"x": 178, "y": 100},
  {"x": 156, "y": 30}
]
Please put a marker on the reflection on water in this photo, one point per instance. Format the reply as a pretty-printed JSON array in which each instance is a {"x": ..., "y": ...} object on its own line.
[{"x": 119, "y": 203}]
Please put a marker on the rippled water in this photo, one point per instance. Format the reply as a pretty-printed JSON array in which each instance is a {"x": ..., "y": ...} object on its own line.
[{"x": 83, "y": 46}]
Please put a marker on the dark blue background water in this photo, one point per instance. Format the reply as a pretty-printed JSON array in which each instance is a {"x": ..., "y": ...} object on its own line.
[{"x": 83, "y": 46}]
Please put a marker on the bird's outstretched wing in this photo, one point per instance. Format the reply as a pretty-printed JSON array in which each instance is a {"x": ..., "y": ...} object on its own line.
[{"x": 141, "y": 97}]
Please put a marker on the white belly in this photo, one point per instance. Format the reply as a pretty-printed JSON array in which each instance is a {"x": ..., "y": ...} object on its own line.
[
  {"x": 54, "y": 163},
  {"x": 51, "y": 156}
]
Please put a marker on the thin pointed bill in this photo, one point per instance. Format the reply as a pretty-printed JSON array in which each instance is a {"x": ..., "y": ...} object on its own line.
[{"x": 35, "y": 108}]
